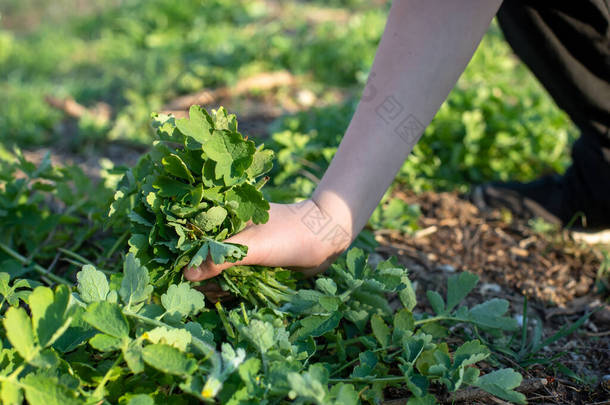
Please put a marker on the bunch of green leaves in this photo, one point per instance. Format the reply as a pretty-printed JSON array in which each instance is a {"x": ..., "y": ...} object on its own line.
[{"x": 198, "y": 185}]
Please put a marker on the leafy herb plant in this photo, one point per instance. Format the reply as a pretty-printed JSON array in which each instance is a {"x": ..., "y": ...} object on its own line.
[{"x": 199, "y": 184}]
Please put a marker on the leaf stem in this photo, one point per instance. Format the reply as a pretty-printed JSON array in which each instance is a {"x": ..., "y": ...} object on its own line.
[
  {"x": 35, "y": 265},
  {"x": 389, "y": 379},
  {"x": 99, "y": 390}
]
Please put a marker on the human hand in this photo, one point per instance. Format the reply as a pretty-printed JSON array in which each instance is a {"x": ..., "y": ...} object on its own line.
[{"x": 283, "y": 241}]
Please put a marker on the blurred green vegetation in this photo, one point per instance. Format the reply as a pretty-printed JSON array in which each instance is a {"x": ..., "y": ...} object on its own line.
[{"x": 135, "y": 55}]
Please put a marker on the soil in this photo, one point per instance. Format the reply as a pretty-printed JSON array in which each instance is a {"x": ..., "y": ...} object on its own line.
[{"x": 513, "y": 261}]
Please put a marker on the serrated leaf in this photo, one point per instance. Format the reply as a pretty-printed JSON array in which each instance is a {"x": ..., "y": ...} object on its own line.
[
  {"x": 92, "y": 284},
  {"x": 210, "y": 219},
  {"x": 470, "y": 353},
  {"x": 182, "y": 301},
  {"x": 231, "y": 153},
  {"x": 197, "y": 126},
  {"x": 220, "y": 252},
  {"x": 326, "y": 285},
  {"x": 134, "y": 287},
  {"x": 168, "y": 359},
  {"x": 250, "y": 203},
  {"x": 107, "y": 318},
  {"x": 178, "y": 338},
  {"x": 501, "y": 383}
]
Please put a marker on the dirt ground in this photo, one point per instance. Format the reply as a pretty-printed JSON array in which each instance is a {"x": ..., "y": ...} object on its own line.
[{"x": 557, "y": 275}]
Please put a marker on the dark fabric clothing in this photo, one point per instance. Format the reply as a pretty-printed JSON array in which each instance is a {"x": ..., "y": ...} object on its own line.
[{"x": 566, "y": 44}]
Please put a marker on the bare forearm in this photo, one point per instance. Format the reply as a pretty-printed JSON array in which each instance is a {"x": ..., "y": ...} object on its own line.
[{"x": 424, "y": 49}]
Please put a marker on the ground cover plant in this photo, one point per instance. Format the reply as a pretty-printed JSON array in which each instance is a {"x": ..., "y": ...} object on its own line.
[
  {"x": 119, "y": 60},
  {"x": 143, "y": 335}
]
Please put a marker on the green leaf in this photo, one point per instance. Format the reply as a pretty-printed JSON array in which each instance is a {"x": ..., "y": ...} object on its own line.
[
  {"x": 436, "y": 302},
  {"x": 175, "y": 166},
  {"x": 50, "y": 315},
  {"x": 310, "y": 385},
  {"x": 10, "y": 393},
  {"x": 219, "y": 251},
  {"x": 11, "y": 293},
  {"x": 261, "y": 334},
  {"x": 367, "y": 363},
  {"x": 141, "y": 399},
  {"x": 326, "y": 285},
  {"x": 380, "y": 330},
  {"x": 470, "y": 353},
  {"x": 318, "y": 325},
  {"x": 178, "y": 338},
  {"x": 182, "y": 301},
  {"x": 404, "y": 321},
  {"x": 489, "y": 314},
  {"x": 261, "y": 163},
  {"x": 92, "y": 284},
  {"x": 133, "y": 356},
  {"x": 458, "y": 287},
  {"x": 169, "y": 187},
  {"x": 210, "y": 219},
  {"x": 168, "y": 359},
  {"x": 19, "y": 332},
  {"x": 107, "y": 318},
  {"x": 250, "y": 203},
  {"x": 345, "y": 394},
  {"x": 501, "y": 383},
  {"x": 198, "y": 126},
  {"x": 105, "y": 343},
  {"x": 232, "y": 154},
  {"x": 134, "y": 287},
  {"x": 43, "y": 390}
]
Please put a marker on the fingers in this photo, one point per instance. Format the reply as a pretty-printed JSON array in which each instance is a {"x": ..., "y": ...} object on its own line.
[{"x": 209, "y": 269}]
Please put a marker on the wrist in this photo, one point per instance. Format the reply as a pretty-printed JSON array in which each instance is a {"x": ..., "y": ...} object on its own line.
[{"x": 330, "y": 221}]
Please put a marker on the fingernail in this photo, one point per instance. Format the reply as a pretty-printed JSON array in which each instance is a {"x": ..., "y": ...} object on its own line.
[{"x": 193, "y": 274}]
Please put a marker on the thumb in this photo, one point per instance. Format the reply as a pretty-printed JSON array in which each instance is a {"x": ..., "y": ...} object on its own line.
[{"x": 209, "y": 269}]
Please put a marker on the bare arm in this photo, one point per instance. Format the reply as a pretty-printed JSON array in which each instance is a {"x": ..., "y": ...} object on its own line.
[{"x": 424, "y": 49}]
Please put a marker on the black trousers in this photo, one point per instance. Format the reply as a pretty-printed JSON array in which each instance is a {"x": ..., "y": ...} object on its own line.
[{"x": 566, "y": 44}]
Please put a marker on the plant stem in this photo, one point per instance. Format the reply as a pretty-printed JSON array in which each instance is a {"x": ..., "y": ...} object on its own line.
[
  {"x": 99, "y": 391},
  {"x": 35, "y": 266},
  {"x": 116, "y": 245},
  {"x": 438, "y": 318},
  {"x": 389, "y": 379}
]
